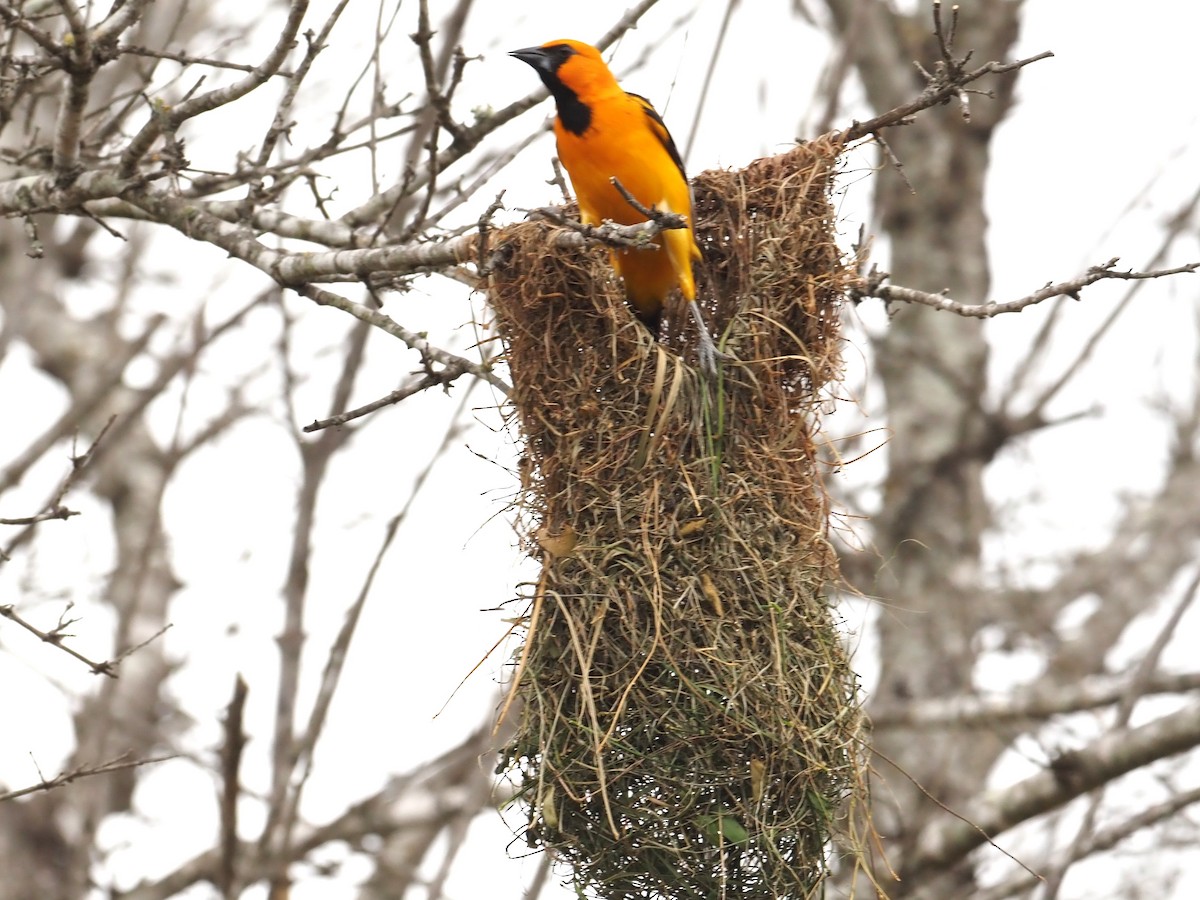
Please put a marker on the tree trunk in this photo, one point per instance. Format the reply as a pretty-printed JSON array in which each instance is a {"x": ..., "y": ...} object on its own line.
[{"x": 933, "y": 368}]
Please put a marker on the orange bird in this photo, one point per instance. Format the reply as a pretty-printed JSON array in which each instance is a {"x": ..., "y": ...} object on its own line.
[{"x": 604, "y": 133}]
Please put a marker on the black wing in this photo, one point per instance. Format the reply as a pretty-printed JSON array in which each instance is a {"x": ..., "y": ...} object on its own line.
[{"x": 659, "y": 127}]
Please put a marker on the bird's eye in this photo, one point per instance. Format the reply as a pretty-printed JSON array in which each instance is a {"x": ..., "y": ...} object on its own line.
[{"x": 560, "y": 53}]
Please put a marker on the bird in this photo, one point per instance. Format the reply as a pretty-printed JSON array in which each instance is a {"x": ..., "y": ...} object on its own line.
[{"x": 606, "y": 133}]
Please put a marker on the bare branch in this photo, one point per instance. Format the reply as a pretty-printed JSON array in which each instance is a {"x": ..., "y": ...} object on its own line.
[
  {"x": 120, "y": 19},
  {"x": 168, "y": 120},
  {"x": 1042, "y": 702},
  {"x": 336, "y": 659},
  {"x": 418, "y": 805},
  {"x": 56, "y": 637},
  {"x": 439, "y": 100},
  {"x": 540, "y": 876},
  {"x": 446, "y": 376},
  {"x": 412, "y": 339},
  {"x": 709, "y": 72},
  {"x": 942, "y": 86},
  {"x": 80, "y": 66},
  {"x": 315, "y": 457},
  {"x": 115, "y": 765},
  {"x": 356, "y": 265},
  {"x": 1179, "y": 224},
  {"x": 1104, "y": 839},
  {"x": 81, "y": 406},
  {"x": 287, "y": 269},
  {"x": 79, "y": 465},
  {"x": 185, "y": 58},
  {"x": 1137, "y": 688},
  {"x": 55, "y": 512},
  {"x": 1076, "y": 772},
  {"x": 874, "y": 287},
  {"x": 18, "y": 22},
  {"x": 43, "y": 193},
  {"x": 472, "y": 135},
  {"x": 280, "y": 124}
]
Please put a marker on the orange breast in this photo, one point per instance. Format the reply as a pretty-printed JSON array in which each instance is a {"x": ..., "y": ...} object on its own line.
[{"x": 620, "y": 144}]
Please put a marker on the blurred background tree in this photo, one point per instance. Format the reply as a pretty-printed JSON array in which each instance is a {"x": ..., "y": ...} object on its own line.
[{"x": 1022, "y": 541}]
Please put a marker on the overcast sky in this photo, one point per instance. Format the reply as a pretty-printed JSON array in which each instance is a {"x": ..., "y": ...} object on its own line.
[{"x": 1102, "y": 145}]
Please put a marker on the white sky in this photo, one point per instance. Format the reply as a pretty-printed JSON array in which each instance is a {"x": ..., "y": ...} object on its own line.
[{"x": 1112, "y": 113}]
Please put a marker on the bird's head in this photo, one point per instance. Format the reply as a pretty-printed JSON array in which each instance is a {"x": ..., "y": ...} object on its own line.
[{"x": 570, "y": 67}]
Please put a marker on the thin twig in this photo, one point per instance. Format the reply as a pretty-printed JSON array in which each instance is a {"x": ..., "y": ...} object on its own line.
[
  {"x": 188, "y": 59},
  {"x": 1104, "y": 839},
  {"x": 55, "y": 512},
  {"x": 938, "y": 91},
  {"x": 975, "y": 711},
  {"x": 414, "y": 340},
  {"x": 423, "y": 383},
  {"x": 709, "y": 72},
  {"x": 56, "y": 636},
  {"x": 1137, "y": 688},
  {"x": 169, "y": 120},
  {"x": 472, "y": 135},
  {"x": 79, "y": 465},
  {"x": 943, "y": 844},
  {"x": 116, "y": 765},
  {"x": 873, "y": 286},
  {"x": 305, "y": 747}
]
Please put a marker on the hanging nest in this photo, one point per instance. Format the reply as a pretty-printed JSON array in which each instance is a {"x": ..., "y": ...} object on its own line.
[{"x": 688, "y": 718}]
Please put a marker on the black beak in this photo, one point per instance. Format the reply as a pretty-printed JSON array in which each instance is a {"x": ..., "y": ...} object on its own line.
[{"x": 536, "y": 57}]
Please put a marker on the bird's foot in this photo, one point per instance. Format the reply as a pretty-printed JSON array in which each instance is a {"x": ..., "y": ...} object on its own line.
[{"x": 706, "y": 350}]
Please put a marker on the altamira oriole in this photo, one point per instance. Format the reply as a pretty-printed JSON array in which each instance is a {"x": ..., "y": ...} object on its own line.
[{"x": 603, "y": 133}]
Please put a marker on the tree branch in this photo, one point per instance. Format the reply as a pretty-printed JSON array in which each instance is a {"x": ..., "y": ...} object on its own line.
[
  {"x": 1104, "y": 839},
  {"x": 55, "y": 637},
  {"x": 873, "y": 286},
  {"x": 418, "y": 805},
  {"x": 54, "y": 512},
  {"x": 469, "y": 137},
  {"x": 115, "y": 765},
  {"x": 43, "y": 193},
  {"x": 1041, "y": 702},
  {"x": 944, "y": 844},
  {"x": 943, "y": 85},
  {"x": 168, "y": 120}
]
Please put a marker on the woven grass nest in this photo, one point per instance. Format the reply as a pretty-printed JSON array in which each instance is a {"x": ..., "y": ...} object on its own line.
[{"x": 688, "y": 718}]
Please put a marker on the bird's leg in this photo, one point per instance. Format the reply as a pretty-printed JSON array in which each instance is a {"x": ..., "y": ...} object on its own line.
[{"x": 706, "y": 350}]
